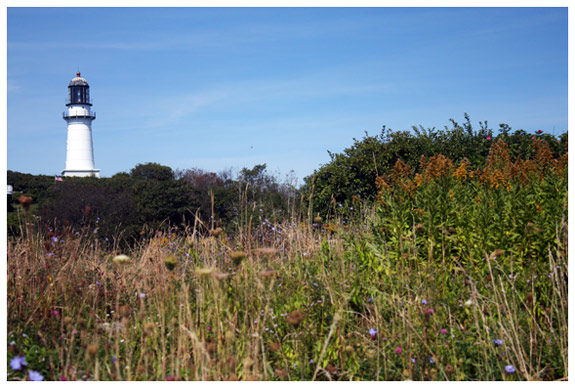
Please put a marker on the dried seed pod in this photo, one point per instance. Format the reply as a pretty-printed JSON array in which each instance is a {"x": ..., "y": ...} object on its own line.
[
  {"x": 170, "y": 262},
  {"x": 274, "y": 347},
  {"x": 216, "y": 232},
  {"x": 238, "y": 256},
  {"x": 267, "y": 252},
  {"x": 267, "y": 273},
  {"x": 294, "y": 318}
]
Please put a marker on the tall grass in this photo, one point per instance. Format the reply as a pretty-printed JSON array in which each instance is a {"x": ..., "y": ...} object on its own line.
[{"x": 449, "y": 277}]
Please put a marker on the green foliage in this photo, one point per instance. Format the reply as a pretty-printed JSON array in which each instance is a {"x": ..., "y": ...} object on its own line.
[
  {"x": 152, "y": 172},
  {"x": 353, "y": 172},
  {"x": 36, "y": 186},
  {"x": 152, "y": 197}
]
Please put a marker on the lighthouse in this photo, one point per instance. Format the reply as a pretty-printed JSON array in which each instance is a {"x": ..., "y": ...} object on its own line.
[{"x": 79, "y": 116}]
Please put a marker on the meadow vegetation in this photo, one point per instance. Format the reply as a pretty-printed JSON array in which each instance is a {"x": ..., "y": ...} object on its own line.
[{"x": 455, "y": 270}]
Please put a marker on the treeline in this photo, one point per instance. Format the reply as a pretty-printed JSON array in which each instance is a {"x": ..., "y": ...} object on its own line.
[
  {"x": 151, "y": 196},
  {"x": 352, "y": 174}
]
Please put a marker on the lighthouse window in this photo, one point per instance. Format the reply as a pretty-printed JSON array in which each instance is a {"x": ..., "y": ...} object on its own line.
[{"x": 79, "y": 95}]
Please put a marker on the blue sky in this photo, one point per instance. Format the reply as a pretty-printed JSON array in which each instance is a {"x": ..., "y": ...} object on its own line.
[{"x": 220, "y": 88}]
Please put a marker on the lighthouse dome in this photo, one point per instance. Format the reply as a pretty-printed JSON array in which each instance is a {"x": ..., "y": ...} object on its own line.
[{"x": 78, "y": 81}]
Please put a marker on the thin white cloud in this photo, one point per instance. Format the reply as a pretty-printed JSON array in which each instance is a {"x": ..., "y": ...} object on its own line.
[{"x": 253, "y": 96}]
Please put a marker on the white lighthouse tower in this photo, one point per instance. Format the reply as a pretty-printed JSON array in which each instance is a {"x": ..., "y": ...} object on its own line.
[{"x": 79, "y": 116}]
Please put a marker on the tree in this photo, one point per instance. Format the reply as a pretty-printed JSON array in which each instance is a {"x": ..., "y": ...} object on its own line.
[
  {"x": 152, "y": 171},
  {"x": 352, "y": 173}
]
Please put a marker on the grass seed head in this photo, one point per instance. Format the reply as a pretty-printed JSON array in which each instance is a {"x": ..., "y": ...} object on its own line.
[{"x": 121, "y": 259}]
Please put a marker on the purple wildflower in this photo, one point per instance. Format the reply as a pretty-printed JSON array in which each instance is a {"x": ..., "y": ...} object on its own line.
[
  {"x": 373, "y": 333},
  {"x": 18, "y": 362},
  {"x": 498, "y": 342},
  {"x": 35, "y": 376},
  {"x": 509, "y": 369},
  {"x": 443, "y": 331},
  {"x": 424, "y": 301}
]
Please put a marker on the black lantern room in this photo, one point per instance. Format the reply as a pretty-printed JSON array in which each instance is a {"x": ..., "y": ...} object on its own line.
[{"x": 78, "y": 91}]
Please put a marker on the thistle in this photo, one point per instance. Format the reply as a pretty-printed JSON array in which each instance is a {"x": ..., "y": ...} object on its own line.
[
  {"x": 91, "y": 350},
  {"x": 25, "y": 201}
]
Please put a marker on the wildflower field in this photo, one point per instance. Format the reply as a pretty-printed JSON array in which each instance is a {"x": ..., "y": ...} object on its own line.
[{"x": 453, "y": 274}]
